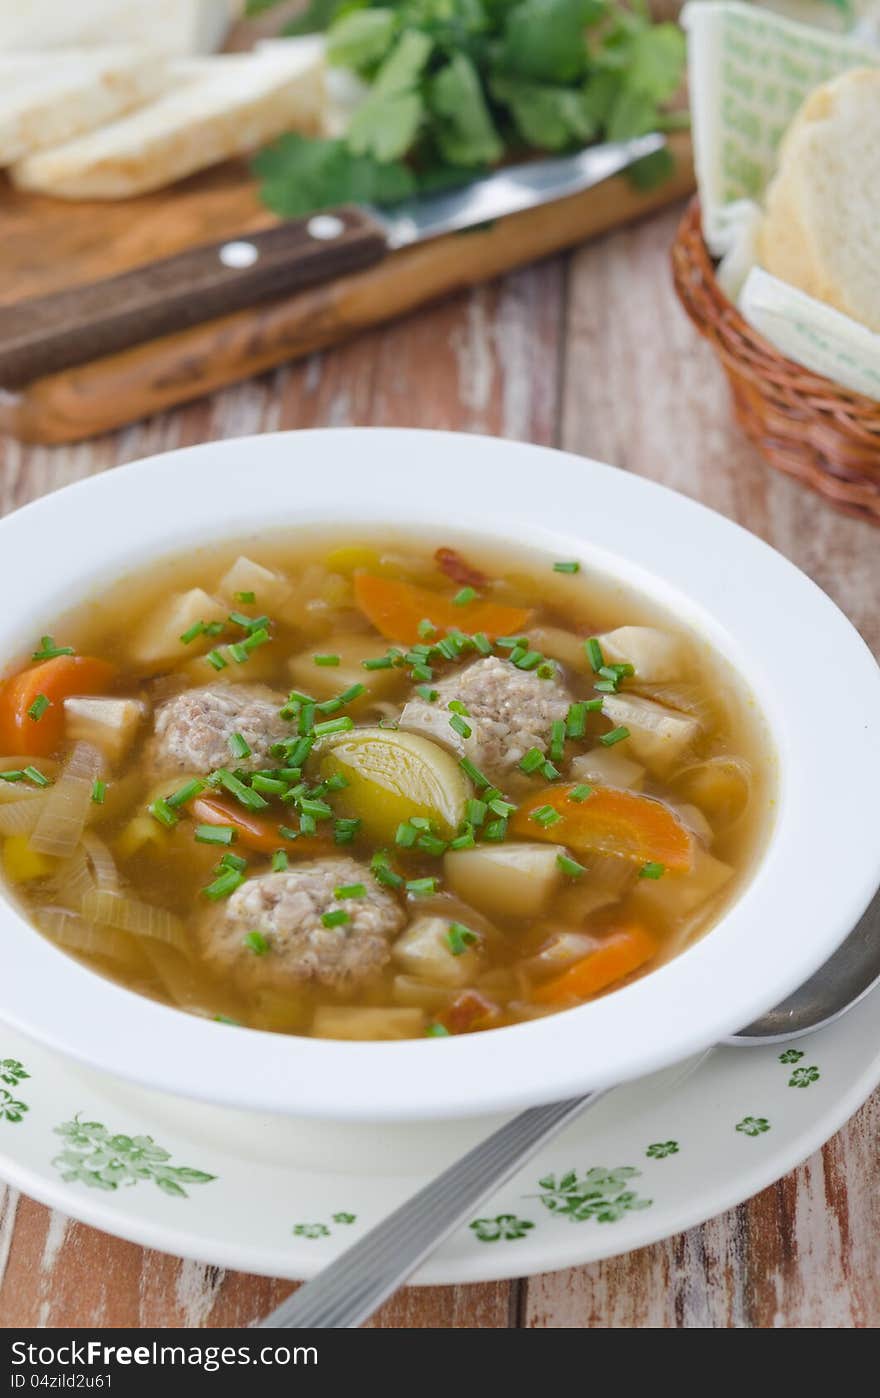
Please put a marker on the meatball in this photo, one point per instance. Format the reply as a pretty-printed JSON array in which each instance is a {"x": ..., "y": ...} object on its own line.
[
  {"x": 287, "y": 909},
  {"x": 509, "y": 711},
  {"x": 193, "y": 729}
]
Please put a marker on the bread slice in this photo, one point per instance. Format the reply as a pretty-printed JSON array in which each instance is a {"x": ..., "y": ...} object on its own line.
[
  {"x": 821, "y": 228},
  {"x": 178, "y": 27},
  {"x": 214, "y": 108},
  {"x": 47, "y": 98}
]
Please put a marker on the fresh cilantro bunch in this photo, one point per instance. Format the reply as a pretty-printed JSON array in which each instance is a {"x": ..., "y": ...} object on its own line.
[{"x": 455, "y": 86}]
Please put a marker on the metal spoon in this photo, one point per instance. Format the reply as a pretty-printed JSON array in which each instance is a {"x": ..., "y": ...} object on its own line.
[{"x": 348, "y": 1291}]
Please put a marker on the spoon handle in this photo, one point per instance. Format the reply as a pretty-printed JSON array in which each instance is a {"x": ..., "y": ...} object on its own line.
[{"x": 348, "y": 1291}]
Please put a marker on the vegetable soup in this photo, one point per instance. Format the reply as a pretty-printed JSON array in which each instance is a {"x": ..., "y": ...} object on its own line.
[{"x": 362, "y": 789}]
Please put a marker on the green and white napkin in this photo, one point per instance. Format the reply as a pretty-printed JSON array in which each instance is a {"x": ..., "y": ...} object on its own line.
[{"x": 749, "y": 72}]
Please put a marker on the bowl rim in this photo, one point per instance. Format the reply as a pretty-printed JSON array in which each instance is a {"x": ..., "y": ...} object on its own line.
[{"x": 757, "y": 608}]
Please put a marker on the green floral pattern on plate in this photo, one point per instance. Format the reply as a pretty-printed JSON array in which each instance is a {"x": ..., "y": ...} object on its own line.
[
  {"x": 599, "y": 1194},
  {"x": 802, "y": 1077},
  {"x": 504, "y": 1228},
  {"x": 791, "y": 1056},
  {"x": 12, "y": 1108},
  {"x": 659, "y": 1150},
  {"x": 753, "y": 1125},
  {"x": 12, "y": 1072},
  {"x": 94, "y": 1157},
  {"x": 310, "y": 1230}
]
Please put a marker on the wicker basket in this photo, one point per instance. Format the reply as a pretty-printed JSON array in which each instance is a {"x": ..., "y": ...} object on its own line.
[{"x": 802, "y": 423}]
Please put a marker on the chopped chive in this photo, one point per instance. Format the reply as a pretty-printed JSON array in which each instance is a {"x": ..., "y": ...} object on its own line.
[
  {"x": 39, "y": 707},
  {"x": 326, "y": 660},
  {"x": 185, "y": 793},
  {"x": 406, "y": 835},
  {"x": 594, "y": 653},
  {"x": 652, "y": 870},
  {"x": 475, "y": 811},
  {"x": 473, "y": 772},
  {"x": 421, "y": 888},
  {"x": 336, "y": 783},
  {"x": 557, "y": 739},
  {"x": 432, "y": 844},
  {"x": 223, "y": 885},
  {"x": 215, "y": 834},
  {"x": 288, "y": 774},
  {"x": 501, "y": 807},
  {"x": 99, "y": 791},
  {"x": 465, "y": 840},
  {"x": 213, "y": 628},
  {"x": 422, "y": 672},
  {"x": 437, "y": 1031},
  {"x": 238, "y": 745},
  {"x": 455, "y": 706},
  {"x": 296, "y": 696},
  {"x": 239, "y": 619},
  {"x": 224, "y": 1019},
  {"x": 336, "y": 918},
  {"x": 496, "y": 830},
  {"x": 279, "y": 861},
  {"x": 607, "y": 686},
  {"x": 426, "y": 628},
  {"x": 580, "y": 793},
  {"x": 353, "y": 692},
  {"x": 287, "y": 834},
  {"x": 511, "y": 642},
  {"x": 547, "y": 671},
  {"x": 12, "y": 776},
  {"x": 576, "y": 721},
  {"x": 379, "y": 662},
  {"x": 531, "y": 761},
  {"x": 239, "y": 652},
  {"x": 593, "y": 706},
  {"x": 306, "y": 720},
  {"x": 243, "y": 794},
  {"x": 566, "y": 567},
  {"x": 319, "y": 809},
  {"x": 351, "y": 890},
  {"x": 231, "y": 861},
  {"x": 457, "y": 723},
  {"x": 215, "y": 660},
  {"x": 428, "y": 694},
  {"x": 334, "y": 725},
  {"x": 269, "y": 786},
  {"x": 344, "y": 831},
  {"x": 616, "y": 735},
  {"x": 529, "y": 661},
  {"x": 295, "y": 751},
  {"x": 482, "y": 643},
  {"x": 257, "y": 638},
  {"x": 161, "y": 811},
  {"x": 382, "y": 871},
  {"x": 544, "y": 816},
  {"x": 517, "y": 653},
  {"x": 256, "y": 942},
  {"x": 48, "y": 649},
  {"x": 329, "y": 706},
  {"x": 549, "y": 772},
  {"x": 459, "y": 938},
  {"x": 307, "y": 824},
  {"x": 247, "y": 598},
  {"x": 37, "y": 777},
  {"x": 197, "y": 629},
  {"x": 447, "y": 649},
  {"x": 570, "y": 866},
  {"x": 465, "y": 595}
]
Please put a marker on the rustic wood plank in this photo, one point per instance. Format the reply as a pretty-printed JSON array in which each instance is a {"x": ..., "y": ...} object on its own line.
[
  {"x": 485, "y": 361},
  {"x": 643, "y": 391}
]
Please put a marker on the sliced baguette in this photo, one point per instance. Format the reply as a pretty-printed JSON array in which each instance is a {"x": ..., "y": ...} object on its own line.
[
  {"x": 49, "y": 98},
  {"x": 821, "y": 229},
  {"x": 214, "y": 108},
  {"x": 178, "y": 27}
]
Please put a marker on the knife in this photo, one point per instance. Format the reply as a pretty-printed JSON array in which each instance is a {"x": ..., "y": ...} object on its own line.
[{"x": 44, "y": 334}]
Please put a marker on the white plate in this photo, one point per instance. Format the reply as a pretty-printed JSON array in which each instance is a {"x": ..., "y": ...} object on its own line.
[{"x": 266, "y": 1195}]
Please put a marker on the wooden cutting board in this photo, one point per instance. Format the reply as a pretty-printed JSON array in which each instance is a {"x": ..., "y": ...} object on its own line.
[{"x": 48, "y": 244}]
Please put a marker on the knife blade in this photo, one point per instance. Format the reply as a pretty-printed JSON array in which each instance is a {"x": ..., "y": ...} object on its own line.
[{"x": 45, "y": 334}]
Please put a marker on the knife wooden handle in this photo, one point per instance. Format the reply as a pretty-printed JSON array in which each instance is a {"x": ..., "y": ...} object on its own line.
[{"x": 48, "y": 333}]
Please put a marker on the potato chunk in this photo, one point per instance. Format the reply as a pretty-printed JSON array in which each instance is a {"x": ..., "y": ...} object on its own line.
[
  {"x": 676, "y": 894},
  {"x": 325, "y": 681},
  {"x": 659, "y": 737},
  {"x": 608, "y": 767},
  {"x": 393, "y": 776},
  {"x": 514, "y": 879},
  {"x": 109, "y": 724},
  {"x": 425, "y": 950},
  {"x": 157, "y": 640},
  {"x": 270, "y": 589},
  {"x": 656, "y": 656},
  {"x": 354, "y": 1022}
]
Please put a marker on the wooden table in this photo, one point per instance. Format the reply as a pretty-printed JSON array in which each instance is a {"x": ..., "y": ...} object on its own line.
[{"x": 589, "y": 352}]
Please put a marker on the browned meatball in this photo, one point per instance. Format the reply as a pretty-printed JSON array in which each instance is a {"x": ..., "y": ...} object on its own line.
[
  {"x": 193, "y": 729},
  {"x": 287, "y": 909},
  {"x": 509, "y": 711}
]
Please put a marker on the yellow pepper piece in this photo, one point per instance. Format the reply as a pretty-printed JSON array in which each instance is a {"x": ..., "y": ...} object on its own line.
[{"x": 21, "y": 863}]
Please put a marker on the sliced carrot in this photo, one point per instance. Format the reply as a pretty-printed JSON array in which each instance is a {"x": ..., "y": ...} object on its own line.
[
  {"x": 610, "y": 822},
  {"x": 395, "y": 608},
  {"x": 628, "y": 948},
  {"x": 56, "y": 680},
  {"x": 469, "y": 1010},
  {"x": 253, "y": 831}
]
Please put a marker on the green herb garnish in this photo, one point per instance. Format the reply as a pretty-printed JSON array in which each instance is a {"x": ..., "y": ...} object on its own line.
[
  {"x": 570, "y": 866},
  {"x": 48, "y": 649},
  {"x": 566, "y": 567},
  {"x": 459, "y": 938},
  {"x": 39, "y": 707},
  {"x": 652, "y": 870},
  {"x": 616, "y": 735},
  {"x": 99, "y": 791},
  {"x": 215, "y": 834}
]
